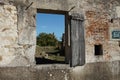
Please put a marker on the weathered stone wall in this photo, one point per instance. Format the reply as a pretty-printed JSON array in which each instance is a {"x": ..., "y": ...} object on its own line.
[
  {"x": 8, "y": 34},
  {"x": 17, "y": 34},
  {"x": 98, "y": 25},
  {"x": 91, "y": 71},
  {"x": 18, "y": 37},
  {"x": 98, "y": 15}
]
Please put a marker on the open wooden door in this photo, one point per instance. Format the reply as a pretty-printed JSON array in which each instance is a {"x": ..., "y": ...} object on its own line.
[{"x": 77, "y": 40}]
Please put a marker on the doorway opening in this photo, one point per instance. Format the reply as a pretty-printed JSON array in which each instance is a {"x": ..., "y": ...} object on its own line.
[{"x": 50, "y": 44}]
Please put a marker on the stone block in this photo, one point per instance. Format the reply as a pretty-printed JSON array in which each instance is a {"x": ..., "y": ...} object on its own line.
[
  {"x": 30, "y": 53},
  {"x": 13, "y": 56},
  {"x": 8, "y": 26},
  {"x": 8, "y": 36},
  {"x": 19, "y": 60},
  {"x": 9, "y": 8},
  {"x": 6, "y": 60},
  {"x": 7, "y": 51},
  {"x": 118, "y": 11},
  {"x": 27, "y": 35},
  {"x": 1, "y": 9}
]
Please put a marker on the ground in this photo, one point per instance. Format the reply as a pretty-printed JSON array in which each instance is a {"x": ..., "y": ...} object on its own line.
[{"x": 49, "y": 54}]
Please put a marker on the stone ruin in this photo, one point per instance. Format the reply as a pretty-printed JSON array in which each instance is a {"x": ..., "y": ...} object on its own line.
[{"x": 99, "y": 18}]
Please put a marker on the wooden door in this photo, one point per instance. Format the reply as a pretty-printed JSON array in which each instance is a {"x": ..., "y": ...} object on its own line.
[{"x": 77, "y": 40}]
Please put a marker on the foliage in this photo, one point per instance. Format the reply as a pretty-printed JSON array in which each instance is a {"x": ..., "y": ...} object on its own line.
[{"x": 47, "y": 39}]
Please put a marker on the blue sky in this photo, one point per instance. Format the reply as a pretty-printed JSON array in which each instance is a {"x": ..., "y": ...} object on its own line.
[{"x": 50, "y": 23}]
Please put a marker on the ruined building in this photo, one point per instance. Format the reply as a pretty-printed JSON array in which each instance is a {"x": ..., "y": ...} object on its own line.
[{"x": 92, "y": 40}]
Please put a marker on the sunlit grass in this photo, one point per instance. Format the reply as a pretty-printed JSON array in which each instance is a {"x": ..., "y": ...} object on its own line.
[{"x": 49, "y": 52}]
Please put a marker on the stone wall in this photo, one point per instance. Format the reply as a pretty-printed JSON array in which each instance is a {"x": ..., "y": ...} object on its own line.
[
  {"x": 90, "y": 71},
  {"x": 98, "y": 25},
  {"x": 17, "y": 34},
  {"x": 8, "y": 34},
  {"x": 98, "y": 15},
  {"x": 18, "y": 37}
]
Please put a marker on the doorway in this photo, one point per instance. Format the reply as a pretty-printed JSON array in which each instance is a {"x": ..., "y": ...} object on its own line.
[{"x": 51, "y": 37}]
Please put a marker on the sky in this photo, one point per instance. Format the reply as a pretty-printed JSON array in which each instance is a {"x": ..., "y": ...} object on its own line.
[{"x": 50, "y": 23}]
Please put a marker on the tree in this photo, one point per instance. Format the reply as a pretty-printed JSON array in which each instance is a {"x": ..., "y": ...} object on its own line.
[{"x": 47, "y": 39}]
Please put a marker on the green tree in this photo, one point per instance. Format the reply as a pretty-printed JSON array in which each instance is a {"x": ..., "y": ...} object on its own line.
[{"x": 47, "y": 39}]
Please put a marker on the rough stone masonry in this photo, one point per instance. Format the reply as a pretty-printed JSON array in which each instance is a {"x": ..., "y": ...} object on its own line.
[{"x": 18, "y": 40}]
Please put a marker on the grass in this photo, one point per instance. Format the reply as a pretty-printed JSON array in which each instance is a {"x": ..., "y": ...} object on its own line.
[
  {"x": 49, "y": 52},
  {"x": 57, "y": 58}
]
